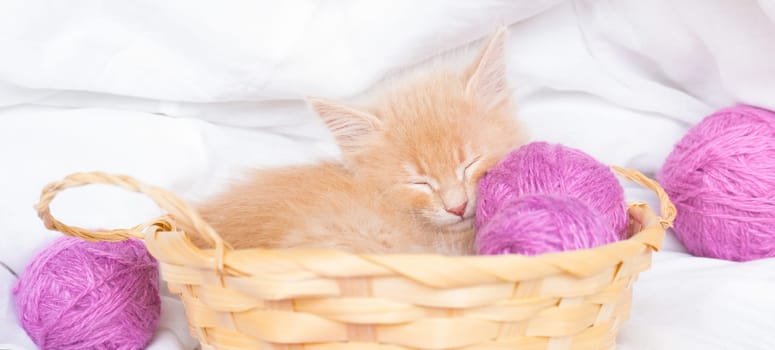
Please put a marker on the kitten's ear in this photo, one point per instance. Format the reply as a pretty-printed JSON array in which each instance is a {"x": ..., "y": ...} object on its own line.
[
  {"x": 487, "y": 76},
  {"x": 349, "y": 126}
]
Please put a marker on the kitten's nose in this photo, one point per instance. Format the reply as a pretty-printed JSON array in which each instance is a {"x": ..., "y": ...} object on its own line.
[{"x": 458, "y": 210}]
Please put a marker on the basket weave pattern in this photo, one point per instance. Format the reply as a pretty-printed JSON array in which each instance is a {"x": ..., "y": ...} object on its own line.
[{"x": 332, "y": 300}]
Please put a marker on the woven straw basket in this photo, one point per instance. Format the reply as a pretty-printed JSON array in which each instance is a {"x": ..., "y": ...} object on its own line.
[{"x": 332, "y": 300}]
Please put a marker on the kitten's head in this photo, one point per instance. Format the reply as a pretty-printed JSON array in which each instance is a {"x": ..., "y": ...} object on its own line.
[{"x": 427, "y": 140}]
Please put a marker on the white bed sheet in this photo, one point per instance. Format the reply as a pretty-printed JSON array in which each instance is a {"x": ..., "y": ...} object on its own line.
[{"x": 183, "y": 95}]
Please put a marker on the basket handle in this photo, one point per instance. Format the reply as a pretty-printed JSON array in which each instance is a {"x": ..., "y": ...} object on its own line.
[
  {"x": 667, "y": 209},
  {"x": 182, "y": 214}
]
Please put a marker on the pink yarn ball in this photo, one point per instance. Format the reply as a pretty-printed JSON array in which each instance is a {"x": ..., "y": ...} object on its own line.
[
  {"x": 540, "y": 167},
  {"x": 721, "y": 178},
  {"x": 541, "y": 223},
  {"x": 90, "y": 295}
]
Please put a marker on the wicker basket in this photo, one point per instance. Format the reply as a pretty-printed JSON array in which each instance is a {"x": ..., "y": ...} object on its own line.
[{"x": 332, "y": 300}]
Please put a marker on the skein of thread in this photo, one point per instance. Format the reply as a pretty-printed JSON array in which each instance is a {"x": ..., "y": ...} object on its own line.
[
  {"x": 541, "y": 167},
  {"x": 721, "y": 178},
  {"x": 543, "y": 223},
  {"x": 89, "y": 295}
]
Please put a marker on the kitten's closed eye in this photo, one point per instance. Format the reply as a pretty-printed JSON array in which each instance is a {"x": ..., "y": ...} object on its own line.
[
  {"x": 468, "y": 167},
  {"x": 423, "y": 183}
]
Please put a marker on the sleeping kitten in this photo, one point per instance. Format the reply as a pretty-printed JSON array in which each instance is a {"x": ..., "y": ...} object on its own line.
[{"x": 407, "y": 182}]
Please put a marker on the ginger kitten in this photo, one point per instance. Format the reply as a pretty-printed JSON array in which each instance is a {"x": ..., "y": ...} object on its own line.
[{"x": 408, "y": 179}]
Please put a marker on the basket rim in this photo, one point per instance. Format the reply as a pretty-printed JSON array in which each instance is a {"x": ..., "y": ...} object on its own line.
[
  {"x": 578, "y": 263},
  {"x": 645, "y": 236}
]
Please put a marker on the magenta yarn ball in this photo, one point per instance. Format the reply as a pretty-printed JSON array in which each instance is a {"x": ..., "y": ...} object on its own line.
[
  {"x": 541, "y": 167},
  {"x": 543, "y": 223},
  {"x": 90, "y": 295},
  {"x": 721, "y": 178}
]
